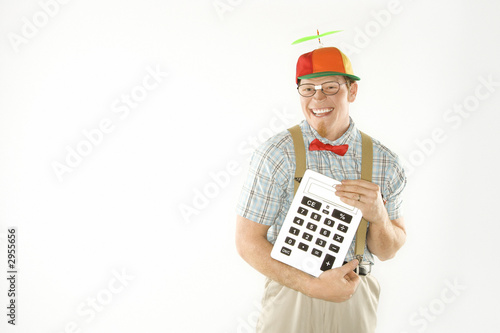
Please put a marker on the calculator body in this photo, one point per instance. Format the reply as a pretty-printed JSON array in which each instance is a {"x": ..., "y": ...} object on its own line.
[{"x": 318, "y": 228}]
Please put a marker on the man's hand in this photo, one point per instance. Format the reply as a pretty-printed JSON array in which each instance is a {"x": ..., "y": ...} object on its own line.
[
  {"x": 385, "y": 236},
  {"x": 335, "y": 285},
  {"x": 366, "y": 196}
]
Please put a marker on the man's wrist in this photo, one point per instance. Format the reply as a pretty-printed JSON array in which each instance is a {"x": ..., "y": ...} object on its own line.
[
  {"x": 383, "y": 223},
  {"x": 309, "y": 286}
]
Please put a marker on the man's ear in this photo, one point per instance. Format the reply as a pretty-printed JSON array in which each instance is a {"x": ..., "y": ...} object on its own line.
[{"x": 353, "y": 91}]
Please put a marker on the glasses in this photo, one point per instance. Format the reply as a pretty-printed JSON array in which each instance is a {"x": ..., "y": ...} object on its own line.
[{"x": 328, "y": 88}]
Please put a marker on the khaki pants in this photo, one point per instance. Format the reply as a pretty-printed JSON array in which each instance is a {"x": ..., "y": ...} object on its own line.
[{"x": 285, "y": 310}]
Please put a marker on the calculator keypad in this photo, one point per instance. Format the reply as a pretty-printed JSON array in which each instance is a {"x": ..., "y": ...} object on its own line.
[{"x": 313, "y": 226}]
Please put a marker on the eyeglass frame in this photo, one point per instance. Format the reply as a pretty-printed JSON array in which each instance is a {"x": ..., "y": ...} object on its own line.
[{"x": 319, "y": 87}]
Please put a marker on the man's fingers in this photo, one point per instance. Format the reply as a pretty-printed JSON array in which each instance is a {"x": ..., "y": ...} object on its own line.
[
  {"x": 360, "y": 183},
  {"x": 353, "y": 188},
  {"x": 353, "y": 277},
  {"x": 349, "y": 267},
  {"x": 350, "y": 275},
  {"x": 344, "y": 190}
]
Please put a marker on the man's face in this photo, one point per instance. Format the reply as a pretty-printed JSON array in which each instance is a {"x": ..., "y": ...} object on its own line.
[{"x": 328, "y": 114}]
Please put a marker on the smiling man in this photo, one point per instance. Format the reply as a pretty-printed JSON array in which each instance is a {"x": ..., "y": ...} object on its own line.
[{"x": 339, "y": 300}]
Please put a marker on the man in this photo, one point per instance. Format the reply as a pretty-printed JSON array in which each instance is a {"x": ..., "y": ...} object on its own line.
[{"x": 339, "y": 300}]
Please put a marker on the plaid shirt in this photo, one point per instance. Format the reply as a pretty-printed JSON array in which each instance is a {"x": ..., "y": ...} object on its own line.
[{"x": 268, "y": 191}]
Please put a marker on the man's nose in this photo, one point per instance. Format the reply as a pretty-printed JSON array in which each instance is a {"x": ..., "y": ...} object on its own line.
[{"x": 319, "y": 95}]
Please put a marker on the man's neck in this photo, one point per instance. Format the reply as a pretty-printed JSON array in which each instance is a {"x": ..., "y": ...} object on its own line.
[{"x": 333, "y": 133}]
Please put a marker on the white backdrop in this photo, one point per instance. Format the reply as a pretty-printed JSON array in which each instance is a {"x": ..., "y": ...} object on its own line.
[{"x": 125, "y": 133}]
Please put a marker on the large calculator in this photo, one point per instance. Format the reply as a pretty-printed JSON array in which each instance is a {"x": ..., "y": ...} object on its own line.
[{"x": 318, "y": 228}]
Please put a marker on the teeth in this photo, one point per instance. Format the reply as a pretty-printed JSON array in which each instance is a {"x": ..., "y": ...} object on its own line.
[{"x": 317, "y": 111}]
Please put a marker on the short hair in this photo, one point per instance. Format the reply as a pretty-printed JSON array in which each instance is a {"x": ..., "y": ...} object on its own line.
[{"x": 348, "y": 82}]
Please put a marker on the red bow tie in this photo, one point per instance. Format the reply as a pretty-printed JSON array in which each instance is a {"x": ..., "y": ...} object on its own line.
[{"x": 318, "y": 145}]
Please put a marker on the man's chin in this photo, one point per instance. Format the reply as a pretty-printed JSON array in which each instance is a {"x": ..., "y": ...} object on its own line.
[{"x": 322, "y": 129}]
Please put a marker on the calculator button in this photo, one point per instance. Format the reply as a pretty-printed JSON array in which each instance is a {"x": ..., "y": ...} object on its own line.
[
  {"x": 307, "y": 236},
  {"x": 320, "y": 242},
  {"x": 338, "y": 238},
  {"x": 334, "y": 248},
  {"x": 342, "y": 216},
  {"x": 298, "y": 221},
  {"x": 303, "y": 246},
  {"x": 290, "y": 241},
  {"x": 311, "y": 203},
  {"x": 286, "y": 251},
  {"x": 302, "y": 211},
  {"x": 326, "y": 212},
  {"x": 312, "y": 226},
  {"x": 325, "y": 232},
  {"x": 342, "y": 228},
  {"x": 316, "y": 252},
  {"x": 294, "y": 231},
  {"x": 315, "y": 216},
  {"x": 329, "y": 222},
  {"x": 328, "y": 262}
]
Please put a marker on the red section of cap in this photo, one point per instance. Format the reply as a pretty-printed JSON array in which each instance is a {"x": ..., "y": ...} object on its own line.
[{"x": 304, "y": 65}]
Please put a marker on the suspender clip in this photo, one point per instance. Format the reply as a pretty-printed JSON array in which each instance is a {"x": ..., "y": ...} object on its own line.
[{"x": 360, "y": 260}]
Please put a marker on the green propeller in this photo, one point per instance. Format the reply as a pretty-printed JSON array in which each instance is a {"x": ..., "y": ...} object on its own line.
[{"x": 303, "y": 39}]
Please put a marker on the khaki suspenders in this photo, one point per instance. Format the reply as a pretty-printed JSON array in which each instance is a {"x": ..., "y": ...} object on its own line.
[
  {"x": 300, "y": 156},
  {"x": 366, "y": 174}
]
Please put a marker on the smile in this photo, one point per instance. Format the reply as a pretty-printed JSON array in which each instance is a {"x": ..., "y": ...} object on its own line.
[{"x": 322, "y": 111}]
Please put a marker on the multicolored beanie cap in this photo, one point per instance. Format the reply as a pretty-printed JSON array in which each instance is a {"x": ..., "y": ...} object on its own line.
[{"x": 324, "y": 61}]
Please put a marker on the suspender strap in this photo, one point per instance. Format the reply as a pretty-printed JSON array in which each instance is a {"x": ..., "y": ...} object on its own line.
[
  {"x": 300, "y": 156},
  {"x": 366, "y": 174}
]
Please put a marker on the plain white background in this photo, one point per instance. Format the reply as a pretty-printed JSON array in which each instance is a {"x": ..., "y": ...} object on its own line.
[{"x": 153, "y": 199}]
